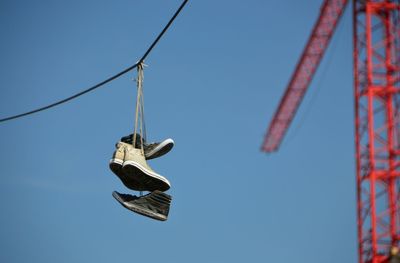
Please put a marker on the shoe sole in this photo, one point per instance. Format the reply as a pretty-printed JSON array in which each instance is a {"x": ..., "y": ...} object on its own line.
[
  {"x": 116, "y": 166},
  {"x": 138, "y": 209},
  {"x": 140, "y": 179},
  {"x": 161, "y": 149}
]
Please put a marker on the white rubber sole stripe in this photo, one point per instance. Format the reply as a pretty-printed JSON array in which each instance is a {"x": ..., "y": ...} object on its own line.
[
  {"x": 117, "y": 161},
  {"x": 160, "y": 146}
]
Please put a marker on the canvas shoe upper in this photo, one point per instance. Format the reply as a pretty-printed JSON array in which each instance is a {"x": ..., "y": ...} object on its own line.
[
  {"x": 154, "y": 205},
  {"x": 118, "y": 158},
  {"x": 137, "y": 174},
  {"x": 151, "y": 150}
]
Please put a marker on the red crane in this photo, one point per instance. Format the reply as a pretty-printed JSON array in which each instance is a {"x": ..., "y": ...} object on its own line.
[{"x": 376, "y": 59}]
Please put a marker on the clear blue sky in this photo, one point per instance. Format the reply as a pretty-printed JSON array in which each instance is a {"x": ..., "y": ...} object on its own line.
[{"x": 212, "y": 84}]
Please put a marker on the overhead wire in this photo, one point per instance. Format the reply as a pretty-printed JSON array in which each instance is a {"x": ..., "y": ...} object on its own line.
[{"x": 98, "y": 85}]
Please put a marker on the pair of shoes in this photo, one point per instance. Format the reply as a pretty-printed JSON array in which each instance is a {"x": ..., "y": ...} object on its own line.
[
  {"x": 129, "y": 164},
  {"x": 154, "y": 205},
  {"x": 151, "y": 150}
]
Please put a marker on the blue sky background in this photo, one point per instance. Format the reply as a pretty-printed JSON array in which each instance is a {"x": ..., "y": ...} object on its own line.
[{"x": 213, "y": 84}]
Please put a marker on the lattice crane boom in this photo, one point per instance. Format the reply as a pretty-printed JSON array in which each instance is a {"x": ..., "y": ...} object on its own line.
[{"x": 330, "y": 14}]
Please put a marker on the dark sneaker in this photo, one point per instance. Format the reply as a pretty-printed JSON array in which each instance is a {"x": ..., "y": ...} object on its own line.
[
  {"x": 154, "y": 205},
  {"x": 151, "y": 150},
  {"x": 129, "y": 139}
]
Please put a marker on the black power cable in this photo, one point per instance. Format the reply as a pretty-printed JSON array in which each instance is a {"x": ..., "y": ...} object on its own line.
[{"x": 107, "y": 80}]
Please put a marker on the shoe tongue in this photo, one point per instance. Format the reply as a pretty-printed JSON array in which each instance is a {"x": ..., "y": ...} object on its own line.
[{"x": 121, "y": 143}]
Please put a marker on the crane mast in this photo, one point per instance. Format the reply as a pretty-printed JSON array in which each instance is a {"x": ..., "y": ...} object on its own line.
[
  {"x": 376, "y": 34},
  {"x": 376, "y": 58}
]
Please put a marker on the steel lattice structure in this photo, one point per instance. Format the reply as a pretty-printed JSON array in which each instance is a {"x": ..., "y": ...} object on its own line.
[
  {"x": 377, "y": 94},
  {"x": 376, "y": 58}
]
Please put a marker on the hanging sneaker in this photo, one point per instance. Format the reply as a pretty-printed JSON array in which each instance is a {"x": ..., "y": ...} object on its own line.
[
  {"x": 137, "y": 175},
  {"x": 154, "y": 205},
  {"x": 151, "y": 150},
  {"x": 118, "y": 158}
]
